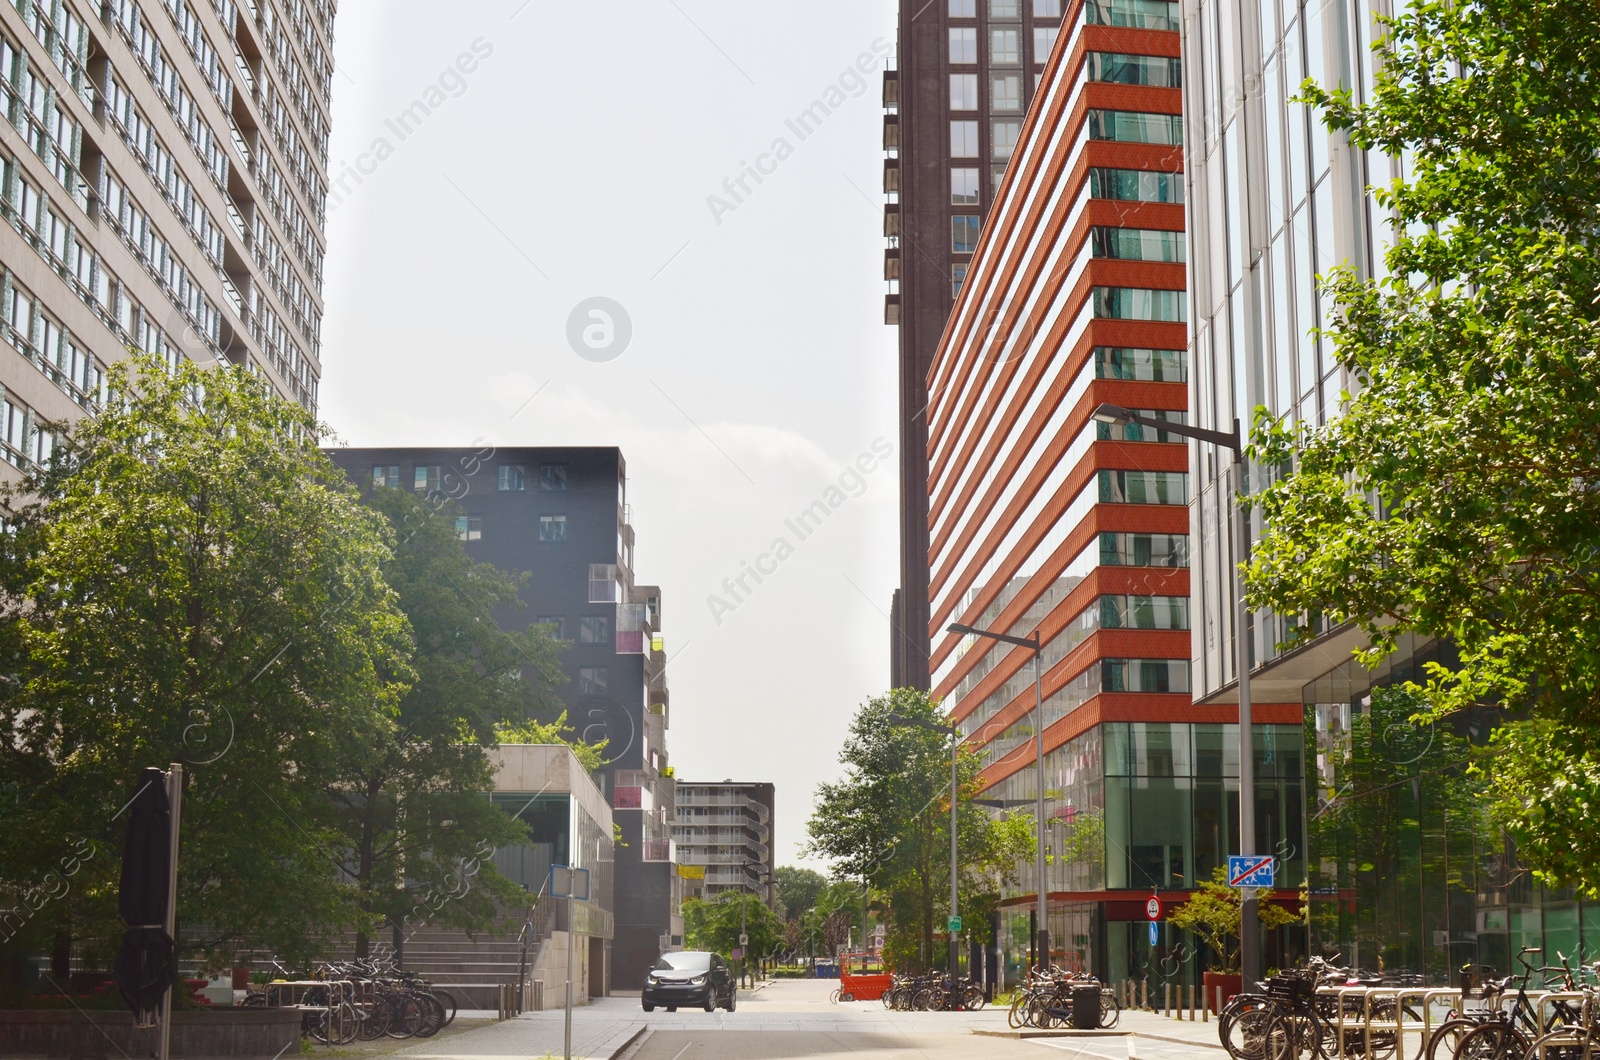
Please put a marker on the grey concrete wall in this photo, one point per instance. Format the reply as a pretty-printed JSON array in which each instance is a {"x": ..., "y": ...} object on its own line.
[{"x": 225, "y": 1034}]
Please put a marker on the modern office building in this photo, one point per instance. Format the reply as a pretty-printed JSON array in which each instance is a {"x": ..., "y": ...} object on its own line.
[
  {"x": 725, "y": 830},
  {"x": 561, "y": 516},
  {"x": 967, "y": 72},
  {"x": 1404, "y": 872},
  {"x": 165, "y": 190},
  {"x": 1043, "y": 520}
]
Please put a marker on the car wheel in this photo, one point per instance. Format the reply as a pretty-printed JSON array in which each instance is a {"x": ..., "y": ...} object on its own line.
[
  {"x": 649, "y": 1007},
  {"x": 672, "y": 1008},
  {"x": 733, "y": 999}
]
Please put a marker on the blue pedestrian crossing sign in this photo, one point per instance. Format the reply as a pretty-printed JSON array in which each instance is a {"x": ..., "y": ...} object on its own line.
[
  {"x": 1251, "y": 870},
  {"x": 1155, "y": 932}
]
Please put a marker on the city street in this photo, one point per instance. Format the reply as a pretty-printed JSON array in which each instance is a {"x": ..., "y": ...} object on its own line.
[{"x": 793, "y": 1018}]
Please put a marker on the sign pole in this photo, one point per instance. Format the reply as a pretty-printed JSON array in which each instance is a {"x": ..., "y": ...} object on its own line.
[
  {"x": 567, "y": 1039},
  {"x": 170, "y": 923}
]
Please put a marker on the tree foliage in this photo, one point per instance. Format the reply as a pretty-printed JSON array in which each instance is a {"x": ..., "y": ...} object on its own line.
[
  {"x": 1215, "y": 913},
  {"x": 887, "y": 822},
  {"x": 191, "y": 580},
  {"x": 797, "y": 889},
  {"x": 409, "y": 788},
  {"x": 714, "y": 924},
  {"x": 1455, "y": 497}
]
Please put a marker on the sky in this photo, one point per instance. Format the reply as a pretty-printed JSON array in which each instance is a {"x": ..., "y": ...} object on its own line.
[{"x": 627, "y": 224}]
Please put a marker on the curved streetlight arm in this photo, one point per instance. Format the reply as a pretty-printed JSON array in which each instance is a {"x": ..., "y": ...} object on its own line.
[{"x": 1117, "y": 416}]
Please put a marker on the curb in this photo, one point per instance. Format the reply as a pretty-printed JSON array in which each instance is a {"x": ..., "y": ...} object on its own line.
[
  {"x": 625, "y": 1046},
  {"x": 1025, "y": 1034}
]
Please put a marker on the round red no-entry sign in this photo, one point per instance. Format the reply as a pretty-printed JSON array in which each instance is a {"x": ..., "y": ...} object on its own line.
[{"x": 1152, "y": 908}]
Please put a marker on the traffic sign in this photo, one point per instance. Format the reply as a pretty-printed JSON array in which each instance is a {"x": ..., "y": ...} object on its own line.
[
  {"x": 1155, "y": 932},
  {"x": 567, "y": 882},
  {"x": 744, "y": 940},
  {"x": 954, "y": 924},
  {"x": 1251, "y": 870},
  {"x": 1152, "y": 908},
  {"x": 736, "y": 955}
]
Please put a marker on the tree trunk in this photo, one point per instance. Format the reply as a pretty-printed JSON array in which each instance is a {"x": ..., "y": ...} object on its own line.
[{"x": 364, "y": 877}]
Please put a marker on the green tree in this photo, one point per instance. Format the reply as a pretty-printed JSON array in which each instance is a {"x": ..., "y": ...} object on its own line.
[
  {"x": 410, "y": 788},
  {"x": 1454, "y": 497},
  {"x": 1215, "y": 913},
  {"x": 888, "y": 822},
  {"x": 715, "y": 924},
  {"x": 797, "y": 889},
  {"x": 190, "y": 579}
]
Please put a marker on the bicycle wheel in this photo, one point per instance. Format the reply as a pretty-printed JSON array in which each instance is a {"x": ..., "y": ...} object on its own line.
[
  {"x": 1291, "y": 1037},
  {"x": 1492, "y": 1041},
  {"x": 448, "y": 1000},
  {"x": 833, "y": 998},
  {"x": 1564, "y": 1043},
  {"x": 1018, "y": 1010},
  {"x": 432, "y": 1016},
  {"x": 374, "y": 1016},
  {"x": 405, "y": 1016},
  {"x": 1441, "y": 1044},
  {"x": 1039, "y": 1015},
  {"x": 1244, "y": 1032},
  {"x": 972, "y": 998},
  {"x": 1110, "y": 1010}
]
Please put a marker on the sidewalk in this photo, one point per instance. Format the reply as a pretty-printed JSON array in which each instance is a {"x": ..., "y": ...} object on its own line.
[
  {"x": 600, "y": 1031},
  {"x": 1150, "y": 1025}
]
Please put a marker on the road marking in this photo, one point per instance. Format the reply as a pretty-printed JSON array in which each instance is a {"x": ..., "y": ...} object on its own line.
[
  {"x": 1133, "y": 1052},
  {"x": 685, "y": 1049},
  {"x": 1076, "y": 1050}
]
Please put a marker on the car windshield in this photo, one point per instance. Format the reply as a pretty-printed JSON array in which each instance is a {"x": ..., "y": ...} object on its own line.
[{"x": 684, "y": 962}]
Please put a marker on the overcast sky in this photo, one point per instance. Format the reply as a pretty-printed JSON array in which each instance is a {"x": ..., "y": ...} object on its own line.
[{"x": 571, "y": 151}]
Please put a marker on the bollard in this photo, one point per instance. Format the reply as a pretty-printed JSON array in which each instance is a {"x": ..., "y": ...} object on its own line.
[
  {"x": 1205, "y": 1009},
  {"x": 1144, "y": 994},
  {"x": 1191, "y": 1002},
  {"x": 1166, "y": 1000}
]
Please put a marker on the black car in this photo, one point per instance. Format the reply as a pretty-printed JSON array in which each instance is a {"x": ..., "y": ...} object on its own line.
[{"x": 693, "y": 977}]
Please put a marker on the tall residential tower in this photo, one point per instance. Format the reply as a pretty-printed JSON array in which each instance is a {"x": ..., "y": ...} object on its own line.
[{"x": 165, "y": 181}]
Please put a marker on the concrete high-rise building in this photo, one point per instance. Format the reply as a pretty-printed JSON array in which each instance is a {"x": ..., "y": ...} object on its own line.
[
  {"x": 1045, "y": 521},
  {"x": 561, "y": 516},
  {"x": 164, "y": 187},
  {"x": 967, "y": 71},
  {"x": 726, "y": 830}
]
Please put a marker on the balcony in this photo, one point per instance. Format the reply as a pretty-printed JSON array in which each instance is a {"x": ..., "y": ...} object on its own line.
[
  {"x": 658, "y": 850},
  {"x": 891, "y": 90}
]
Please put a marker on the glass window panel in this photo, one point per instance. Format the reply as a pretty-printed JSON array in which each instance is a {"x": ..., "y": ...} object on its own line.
[
  {"x": 1138, "y": 14},
  {"x": 963, "y": 91},
  {"x": 1004, "y": 139},
  {"x": 963, "y": 8},
  {"x": 964, "y": 139},
  {"x": 1121, "y": 69},
  {"x": 964, "y": 186},
  {"x": 1005, "y": 92},
  {"x": 1044, "y": 43},
  {"x": 1005, "y": 8},
  {"x": 1005, "y": 47},
  {"x": 964, "y": 233},
  {"x": 963, "y": 44}
]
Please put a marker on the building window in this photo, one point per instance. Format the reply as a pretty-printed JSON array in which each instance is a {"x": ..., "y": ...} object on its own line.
[
  {"x": 1144, "y": 487},
  {"x": 1137, "y": 244},
  {"x": 963, "y": 8},
  {"x": 553, "y": 528},
  {"x": 1153, "y": 70},
  {"x": 557, "y": 624},
  {"x": 1140, "y": 303},
  {"x": 603, "y": 583},
  {"x": 1005, "y": 92},
  {"x": 958, "y": 279},
  {"x": 964, "y": 233},
  {"x": 511, "y": 478},
  {"x": 1135, "y": 127},
  {"x": 1004, "y": 141},
  {"x": 1046, "y": 8},
  {"x": 469, "y": 527},
  {"x": 594, "y": 629},
  {"x": 388, "y": 475},
  {"x": 1005, "y": 47},
  {"x": 1149, "y": 366},
  {"x": 426, "y": 478},
  {"x": 963, "y": 139},
  {"x": 1139, "y": 432},
  {"x": 963, "y": 44},
  {"x": 1044, "y": 43},
  {"x": 1144, "y": 550},
  {"x": 553, "y": 478},
  {"x": 964, "y": 187},
  {"x": 1135, "y": 185},
  {"x": 1137, "y": 14},
  {"x": 1144, "y": 675},
  {"x": 963, "y": 91},
  {"x": 1005, "y": 8},
  {"x": 591, "y": 680}
]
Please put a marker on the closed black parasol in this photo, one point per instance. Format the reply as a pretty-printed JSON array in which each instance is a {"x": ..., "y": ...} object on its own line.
[{"x": 145, "y": 964}]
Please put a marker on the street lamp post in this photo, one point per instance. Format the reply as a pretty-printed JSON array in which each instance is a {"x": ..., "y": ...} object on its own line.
[
  {"x": 1250, "y": 924},
  {"x": 954, "y": 732},
  {"x": 1033, "y": 644}
]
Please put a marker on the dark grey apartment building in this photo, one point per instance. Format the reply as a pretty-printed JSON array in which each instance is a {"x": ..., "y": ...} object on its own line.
[
  {"x": 561, "y": 515},
  {"x": 966, "y": 73}
]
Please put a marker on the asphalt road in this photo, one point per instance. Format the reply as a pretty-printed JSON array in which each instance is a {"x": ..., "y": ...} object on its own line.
[{"x": 793, "y": 1020}]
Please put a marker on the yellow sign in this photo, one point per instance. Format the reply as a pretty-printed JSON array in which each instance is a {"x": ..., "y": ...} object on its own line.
[{"x": 692, "y": 872}]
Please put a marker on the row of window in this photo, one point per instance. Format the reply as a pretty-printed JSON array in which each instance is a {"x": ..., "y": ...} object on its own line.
[
  {"x": 163, "y": 75},
  {"x": 1003, "y": 136},
  {"x": 1150, "y": 366},
  {"x": 52, "y": 349},
  {"x": 1136, "y": 127},
  {"x": 1005, "y": 45},
  {"x": 1143, "y": 550},
  {"x": 1140, "y": 303},
  {"x": 1138, "y": 432},
  {"x": 1136, "y": 244},
  {"x": 1005, "y": 8},
  {"x": 509, "y": 478},
  {"x": 151, "y": 248},
  {"x": 23, "y": 443},
  {"x": 1156, "y": 71},
  {"x": 48, "y": 129},
  {"x": 1005, "y": 92},
  {"x": 1135, "y": 14},
  {"x": 1135, "y": 185},
  {"x": 592, "y": 629}
]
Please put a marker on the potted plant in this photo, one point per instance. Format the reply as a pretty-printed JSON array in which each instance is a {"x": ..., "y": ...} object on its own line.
[{"x": 1214, "y": 913}]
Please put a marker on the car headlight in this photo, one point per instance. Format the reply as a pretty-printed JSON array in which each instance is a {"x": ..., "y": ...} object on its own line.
[
  {"x": 698, "y": 980},
  {"x": 651, "y": 978}
]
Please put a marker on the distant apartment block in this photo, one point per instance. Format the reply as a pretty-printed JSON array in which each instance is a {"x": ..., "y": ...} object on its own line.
[{"x": 726, "y": 830}]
